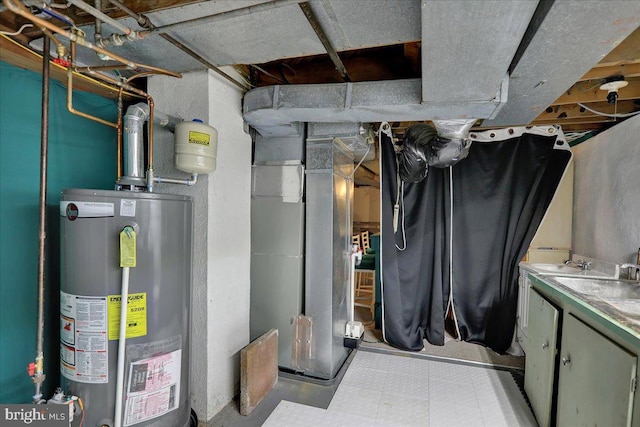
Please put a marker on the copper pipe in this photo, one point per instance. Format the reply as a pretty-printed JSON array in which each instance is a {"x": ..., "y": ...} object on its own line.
[
  {"x": 119, "y": 137},
  {"x": 19, "y": 9},
  {"x": 39, "y": 375},
  {"x": 70, "y": 93},
  {"x": 52, "y": 37},
  {"x": 61, "y": 49},
  {"x": 134, "y": 91},
  {"x": 102, "y": 68},
  {"x": 145, "y": 74}
]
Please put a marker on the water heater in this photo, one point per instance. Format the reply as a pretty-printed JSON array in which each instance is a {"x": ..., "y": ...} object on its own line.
[{"x": 156, "y": 374}]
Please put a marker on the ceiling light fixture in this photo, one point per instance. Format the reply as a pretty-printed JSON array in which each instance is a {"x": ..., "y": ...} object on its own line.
[{"x": 612, "y": 85}]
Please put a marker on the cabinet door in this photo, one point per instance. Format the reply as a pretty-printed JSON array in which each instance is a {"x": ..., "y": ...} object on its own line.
[
  {"x": 595, "y": 382},
  {"x": 541, "y": 355}
]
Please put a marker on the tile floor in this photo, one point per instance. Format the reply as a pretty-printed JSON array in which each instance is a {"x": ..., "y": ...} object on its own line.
[{"x": 398, "y": 391}]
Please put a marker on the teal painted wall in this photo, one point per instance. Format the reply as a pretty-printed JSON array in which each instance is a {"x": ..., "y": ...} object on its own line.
[{"x": 82, "y": 153}]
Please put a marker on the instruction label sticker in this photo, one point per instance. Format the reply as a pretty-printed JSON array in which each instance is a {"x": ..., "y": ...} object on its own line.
[
  {"x": 127, "y": 207},
  {"x": 199, "y": 138},
  {"x": 153, "y": 388},
  {"x": 83, "y": 331},
  {"x": 136, "y": 315}
]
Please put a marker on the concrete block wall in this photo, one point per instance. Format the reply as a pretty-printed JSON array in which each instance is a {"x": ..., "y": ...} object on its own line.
[
  {"x": 606, "y": 199},
  {"x": 222, "y": 240}
]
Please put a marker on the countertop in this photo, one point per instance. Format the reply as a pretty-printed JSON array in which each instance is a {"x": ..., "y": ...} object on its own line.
[{"x": 625, "y": 325}]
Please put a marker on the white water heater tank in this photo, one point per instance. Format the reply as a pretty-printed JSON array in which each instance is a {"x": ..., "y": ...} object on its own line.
[{"x": 196, "y": 147}]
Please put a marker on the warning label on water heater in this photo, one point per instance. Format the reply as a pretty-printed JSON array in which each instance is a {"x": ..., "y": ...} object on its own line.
[
  {"x": 153, "y": 388},
  {"x": 83, "y": 335},
  {"x": 136, "y": 315}
]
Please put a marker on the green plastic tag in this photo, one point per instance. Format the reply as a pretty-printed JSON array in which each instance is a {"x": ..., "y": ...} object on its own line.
[{"x": 127, "y": 247}]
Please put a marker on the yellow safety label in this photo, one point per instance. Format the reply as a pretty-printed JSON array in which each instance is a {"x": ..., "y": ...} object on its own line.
[
  {"x": 127, "y": 247},
  {"x": 199, "y": 138},
  {"x": 136, "y": 315}
]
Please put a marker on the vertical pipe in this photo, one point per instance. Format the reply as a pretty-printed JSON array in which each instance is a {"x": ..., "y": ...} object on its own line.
[
  {"x": 98, "y": 34},
  {"x": 150, "y": 130},
  {"x": 44, "y": 148},
  {"x": 119, "y": 137},
  {"x": 122, "y": 339}
]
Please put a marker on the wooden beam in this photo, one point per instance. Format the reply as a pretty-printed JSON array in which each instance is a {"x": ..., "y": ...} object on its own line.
[
  {"x": 575, "y": 95},
  {"x": 364, "y": 176},
  {"x": 575, "y": 120},
  {"x": 627, "y": 50},
  {"x": 22, "y": 57},
  {"x": 572, "y": 111},
  {"x": 628, "y": 70},
  {"x": 584, "y": 127}
]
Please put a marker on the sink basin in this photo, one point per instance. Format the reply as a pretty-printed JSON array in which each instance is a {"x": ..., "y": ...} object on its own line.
[
  {"x": 556, "y": 268},
  {"x": 565, "y": 270},
  {"x": 605, "y": 289}
]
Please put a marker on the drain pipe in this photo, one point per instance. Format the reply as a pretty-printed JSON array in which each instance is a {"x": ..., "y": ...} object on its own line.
[
  {"x": 98, "y": 32},
  {"x": 39, "y": 375}
]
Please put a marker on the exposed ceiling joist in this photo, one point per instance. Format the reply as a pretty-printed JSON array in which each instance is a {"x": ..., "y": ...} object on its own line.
[
  {"x": 557, "y": 57},
  {"x": 628, "y": 70},
  {"x": 574, "y": 95}
]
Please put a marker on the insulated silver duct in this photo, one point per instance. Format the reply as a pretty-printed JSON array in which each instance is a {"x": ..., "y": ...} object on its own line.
[{"x": 133, "y": 140}]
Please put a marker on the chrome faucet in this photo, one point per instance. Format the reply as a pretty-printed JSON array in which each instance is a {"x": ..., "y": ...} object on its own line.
[
  {"x": 633, "y": 271},
  {"x": 585, "y": 265}
]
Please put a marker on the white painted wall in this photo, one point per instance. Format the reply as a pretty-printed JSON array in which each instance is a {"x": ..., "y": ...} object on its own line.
[
  {"x": 606, "y": 210},
  {"x": 220, "y": 307},
  {"x": 366, "y": 203}
]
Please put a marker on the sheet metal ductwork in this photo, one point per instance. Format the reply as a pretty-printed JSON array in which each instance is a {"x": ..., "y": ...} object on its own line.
[{"x": 275, "y": 110}]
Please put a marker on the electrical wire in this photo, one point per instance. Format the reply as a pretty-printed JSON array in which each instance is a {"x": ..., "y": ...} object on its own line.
[
  {"x": 399, "y": 193},
  {"x": 82, "y": 409},
  {"x": 600, "y": 113},
  {"x": 398, "y": 210},
  {"x": 580, "y": 87},
  {"x": 360, "y": 162},
  {"x": 7, "y": 33}
]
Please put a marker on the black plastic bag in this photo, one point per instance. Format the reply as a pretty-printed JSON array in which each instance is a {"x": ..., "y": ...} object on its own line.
[{"x": 416, "y": 148}]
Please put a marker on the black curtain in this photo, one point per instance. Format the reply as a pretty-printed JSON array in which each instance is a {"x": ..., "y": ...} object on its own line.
[{"x": 500, "y": 194}]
